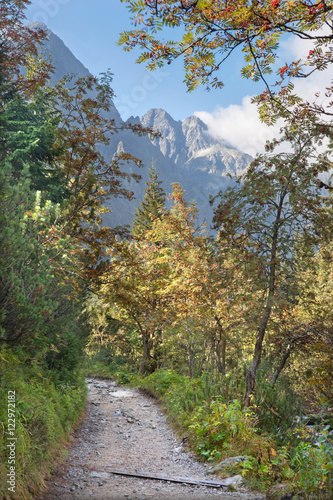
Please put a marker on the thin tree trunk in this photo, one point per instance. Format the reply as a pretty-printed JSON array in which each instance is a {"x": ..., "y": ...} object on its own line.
[
  {"x": 217, "y": 355},
  {"x": 191, "y": 361},
  {"x": 201, "y": 364},
  {"x": 279, "y": 369},
  {"x": 252, "y": 371},
  {"x": 156, "y": 342},
  {"x": 208, "y": 356},
  {"x": 301, "y": 338},
  {"x": 223, "y": 354},
  {"x": 220, "y": 345},
  {"x": 145, "y": 360},
  {"x": 219, "y": 351}
]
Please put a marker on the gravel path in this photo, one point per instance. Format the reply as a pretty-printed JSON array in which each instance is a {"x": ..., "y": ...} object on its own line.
[{"x": 124, "y": 429}]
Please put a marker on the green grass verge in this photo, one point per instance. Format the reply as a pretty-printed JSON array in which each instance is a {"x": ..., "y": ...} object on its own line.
[{"x": 45, "y": 413}]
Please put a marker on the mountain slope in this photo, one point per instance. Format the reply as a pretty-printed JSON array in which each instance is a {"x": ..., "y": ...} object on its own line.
[{"x": 185, "y": 153}]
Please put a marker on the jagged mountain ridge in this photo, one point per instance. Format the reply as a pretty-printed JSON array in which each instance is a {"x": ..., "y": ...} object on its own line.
[
  {"x": 188, "y": 141},
  {"x": 185, "y": 152}
]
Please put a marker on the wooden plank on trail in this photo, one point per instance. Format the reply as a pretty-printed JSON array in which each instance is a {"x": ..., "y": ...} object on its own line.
[{"x": 163, "y": 477}]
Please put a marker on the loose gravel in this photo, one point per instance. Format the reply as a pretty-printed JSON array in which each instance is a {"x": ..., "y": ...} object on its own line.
[{"x": 124, "y": 429}]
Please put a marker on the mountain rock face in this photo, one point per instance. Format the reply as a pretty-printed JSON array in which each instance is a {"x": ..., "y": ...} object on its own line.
[
  {"x": 62, "y": 58},
  {"x": 185, "y": 153},
  {"x": 189, "y": 145}
]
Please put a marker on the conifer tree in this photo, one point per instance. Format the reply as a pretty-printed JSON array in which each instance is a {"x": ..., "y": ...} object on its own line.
[
  {"x": 151, "y": 207},
  {"x": 30, "y": 142}
]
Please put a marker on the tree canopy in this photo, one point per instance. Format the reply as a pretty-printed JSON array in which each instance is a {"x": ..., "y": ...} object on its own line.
[{"x": 208, "y": 32}]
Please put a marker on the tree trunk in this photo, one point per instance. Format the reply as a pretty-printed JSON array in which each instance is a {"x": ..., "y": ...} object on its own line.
[
  {"x": 219, "y": 351},
  {"x": 146, "y": 357},
  {"x": 281, "y": 366},
  {"x": 220, "y": 345},
  {"x": 223, "y": 353},
  {"x": 252, "y": 371},
  {"x": 191, "y": 361},
  {"x": 156, "y": 343},
  {"x": 302, "y": 338},
  {"x": 201, "y": 364}
]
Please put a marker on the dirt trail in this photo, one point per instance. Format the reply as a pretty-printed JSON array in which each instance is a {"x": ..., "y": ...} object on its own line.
[{"x": 124, "y": 429}]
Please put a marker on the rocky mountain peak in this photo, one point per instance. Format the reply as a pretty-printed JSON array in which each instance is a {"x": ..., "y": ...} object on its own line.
[
  {"x": 158, "y": 116},
  {"x": 196, "y": 134},
  {"x": 171, "y": 141},
  {"x": 194, "y": 122},
  {"x": 37, "y": 25},
  {"x": 62, "y": 58}
]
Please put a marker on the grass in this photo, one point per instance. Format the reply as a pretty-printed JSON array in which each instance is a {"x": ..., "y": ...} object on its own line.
[{"x": 45, "y": 414}]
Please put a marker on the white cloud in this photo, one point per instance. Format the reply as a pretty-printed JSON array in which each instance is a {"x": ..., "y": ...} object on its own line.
[
  {"x": 240, "y": 126},
  {"x": 319, "y": 81}
]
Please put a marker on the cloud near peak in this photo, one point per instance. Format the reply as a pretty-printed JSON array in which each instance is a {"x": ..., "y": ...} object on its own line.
[{"x": 239, "y": 125}]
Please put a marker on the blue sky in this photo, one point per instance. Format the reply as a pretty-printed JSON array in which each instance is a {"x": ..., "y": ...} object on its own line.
[{"x": 90, "y": 28}]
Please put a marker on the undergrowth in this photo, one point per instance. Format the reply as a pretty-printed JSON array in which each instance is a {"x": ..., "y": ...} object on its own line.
[
  {"x": 274, "y": 447},
  {"x": 101, "y": 364},
  {"x": 47, "y": 407}
]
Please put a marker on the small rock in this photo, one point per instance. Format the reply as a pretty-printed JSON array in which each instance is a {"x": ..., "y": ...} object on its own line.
[
  {"x": 100, "y": 385},
  {"x": 235, "y": 481},
  {"x": 179, "y": 449}
]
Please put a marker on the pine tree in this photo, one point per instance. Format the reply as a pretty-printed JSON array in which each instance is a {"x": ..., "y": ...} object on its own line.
[
  {"x": 29, "y": 140},
  {"x": 151, "y": 207}
]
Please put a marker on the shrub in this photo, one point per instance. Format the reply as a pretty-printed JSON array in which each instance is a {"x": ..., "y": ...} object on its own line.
[
  {"x": 315, "y": 457},
  {"x": 224, "y": 429},
  {"x": 159, "y": 382},
  {"x": 277, "y": 408}
]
